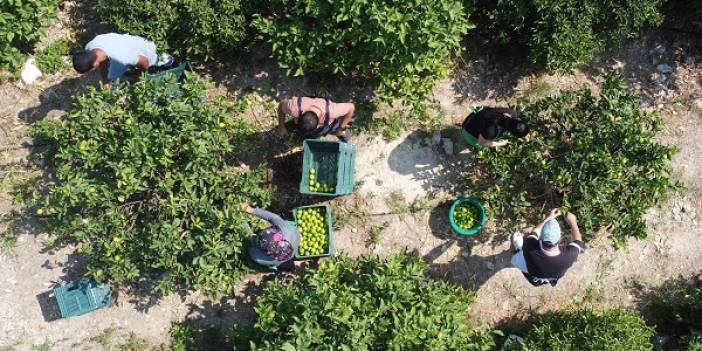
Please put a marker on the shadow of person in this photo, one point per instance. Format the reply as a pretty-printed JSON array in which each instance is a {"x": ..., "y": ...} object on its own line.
[
  {"x": 467, "y": 269},
  {"x": 471, "y": 266},
  {"x": 57, "y": 97},
  {"x": 428, "y": 165}
]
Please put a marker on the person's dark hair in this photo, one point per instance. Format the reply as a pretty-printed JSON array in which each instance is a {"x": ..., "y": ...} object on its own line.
[
  {"x": 515, "y": 126},
  {"x": 308, "y": 122},
  {"x": 520, "y": 130},
  {"x": 83, "y": 61}
]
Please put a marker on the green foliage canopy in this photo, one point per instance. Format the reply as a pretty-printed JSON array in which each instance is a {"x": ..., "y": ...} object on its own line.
[
  {"x": 201, "y": 29},
  {"x": 143, "y": 184},
  {"x": 594, "y": 155},
  {"x": 403, "y": 46},
  {"x": 566, "y": 33},
  {"x": 676, "y": 309},
  {"x": 368, "y": 304},
  {"x": 587, "y": 330},
  {"x": 22, "y": 25}
]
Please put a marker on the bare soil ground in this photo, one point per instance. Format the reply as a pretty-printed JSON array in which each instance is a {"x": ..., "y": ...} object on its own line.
[{"x": 405, "y": 186}]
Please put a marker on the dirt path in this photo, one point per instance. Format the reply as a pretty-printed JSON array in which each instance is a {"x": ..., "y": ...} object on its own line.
[{"x": 400, "y": 204}]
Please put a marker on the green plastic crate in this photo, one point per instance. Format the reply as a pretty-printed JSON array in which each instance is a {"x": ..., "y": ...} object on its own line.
[
  {"x": 480, "y": 222},
  {"x": 330, "y": 232},
  {"x": 81, "y": 297},
  {"x": 335, "y": 163},
  {"x": 178, "y": 71}
]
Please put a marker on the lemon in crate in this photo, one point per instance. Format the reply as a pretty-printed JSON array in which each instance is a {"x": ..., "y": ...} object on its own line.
[{"x": 316, "y": 237}]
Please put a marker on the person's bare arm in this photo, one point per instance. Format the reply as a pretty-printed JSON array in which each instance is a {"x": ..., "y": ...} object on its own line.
[
  {"x": 281, "y": 120},
  {"x": 490, "y": 143},
  {"x": 348, "y": 117},
  {"x": 554, "y": 213},
  {"x": 104, "y": 71},
  {"x": 573, "y": 224},
  {"x": 143, "y": 63}
]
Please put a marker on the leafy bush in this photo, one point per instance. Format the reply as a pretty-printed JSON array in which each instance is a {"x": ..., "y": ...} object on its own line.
[
  {"x": 182, "y": 337},
  {"x": 22, "y": 25},
  {"x": 143, "y": 183},
  {"x": 403, "y": 46},
  {"x": 594, "y": 155},
  {"x": 202, "y": 29},
  {"x": 566, "y": 33},
  {"x": 584, "y": 329},
  {"x": 677, "y": 309},
  {"x": 369, "y": 304},
  {"x": 52, "y": 58}
]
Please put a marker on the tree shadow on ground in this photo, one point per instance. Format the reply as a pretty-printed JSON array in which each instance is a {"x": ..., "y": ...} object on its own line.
[
  {"x": 672, "y": 307},
  {"x": 676, "y": 44},
  {"x": 256, "y": 71},
  {"x": 283, "y": 169},
  {"x": 429, "y": 165},
  {"x": 488, "y": 70},
  {"x": 57, "y": 97}
]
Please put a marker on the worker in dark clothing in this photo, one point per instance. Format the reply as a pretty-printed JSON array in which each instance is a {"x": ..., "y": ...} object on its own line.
[
  {"x": 486, "y": 124},
  {"x": 540, "y": 257}
]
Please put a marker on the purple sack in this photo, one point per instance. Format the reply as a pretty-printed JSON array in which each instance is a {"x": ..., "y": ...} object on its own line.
[{"x": 273, "y": 243}]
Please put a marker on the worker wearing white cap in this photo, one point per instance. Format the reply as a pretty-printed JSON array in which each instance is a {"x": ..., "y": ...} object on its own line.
[{"x": 540, "y": 257}]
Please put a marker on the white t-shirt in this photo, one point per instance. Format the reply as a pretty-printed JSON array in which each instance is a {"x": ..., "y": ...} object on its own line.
[{"x": 123, "y": 50}]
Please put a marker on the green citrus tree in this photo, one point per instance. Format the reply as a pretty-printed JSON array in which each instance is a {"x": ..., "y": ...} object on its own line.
[
  {"x": 596, "y": 156},
  {"x": 365, "y": 304},
  {"x": 143, "y": 183},
  {"x": 402, "y": 46}
]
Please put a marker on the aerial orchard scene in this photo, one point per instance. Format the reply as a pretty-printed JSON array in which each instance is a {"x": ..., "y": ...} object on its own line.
[{"x": 350, "y": 175}]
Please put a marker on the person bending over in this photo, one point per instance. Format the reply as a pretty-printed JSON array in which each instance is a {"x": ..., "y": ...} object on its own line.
[
  {"x": 488, "y": 123},
  {"x": 316, "y": 117},
  {"x": 113, "y": 53}
]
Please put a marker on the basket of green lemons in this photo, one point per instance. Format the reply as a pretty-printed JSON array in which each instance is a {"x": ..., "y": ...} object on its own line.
[
  {"x": 316, "y": 235},
  {"x": 467, "y": 216}
]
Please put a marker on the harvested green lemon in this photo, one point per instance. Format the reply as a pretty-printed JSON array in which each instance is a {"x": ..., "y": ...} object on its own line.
[
  {"x": 466, "y": 215},
  {"x": 313, "y": 231},
  {"x": 318, "y": 187}
]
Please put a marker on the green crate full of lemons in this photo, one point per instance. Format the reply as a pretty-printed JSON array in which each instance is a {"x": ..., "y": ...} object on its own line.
[
  {"x": 316, "y": 234},
  {"x": 328, "y": 168}
]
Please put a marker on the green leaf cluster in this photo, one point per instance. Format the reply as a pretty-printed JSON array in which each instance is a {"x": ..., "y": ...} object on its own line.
[
  {"x": 593, "y": 155},
  {"x": 404, "y": 47},
  {"x": 143, "y": 183},
  {"x": 22, "y": 25},
  {"x": 200, "y": 29},
  {"x": 561, "y": 34},
  {"x": 365, "y": 304},
  {"x": 51, "y": 59},
  {"x": 584, "y": 329},
  {"x": 182, "y": 337}
]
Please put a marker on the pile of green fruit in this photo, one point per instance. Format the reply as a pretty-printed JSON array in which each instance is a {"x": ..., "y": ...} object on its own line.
[
  {"x": 313, "y": 231},
  {"x": 466, "y": 215},
  {"x": 318, "y": 187}
]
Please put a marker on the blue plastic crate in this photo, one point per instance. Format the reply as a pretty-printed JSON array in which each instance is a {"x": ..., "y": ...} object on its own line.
[
  {"x": 335, "y": 165},
  {"x": 83, "y": 296}
]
